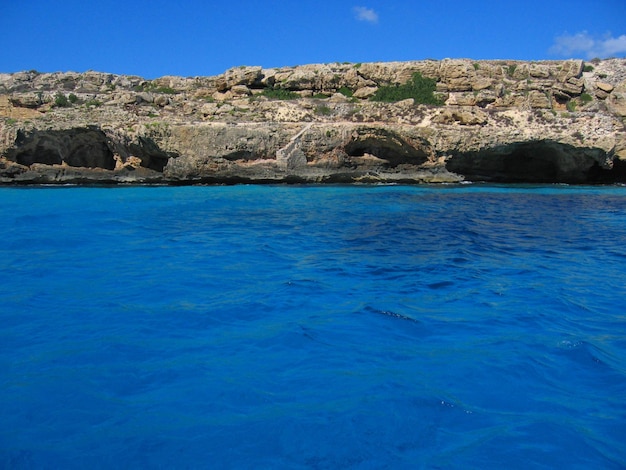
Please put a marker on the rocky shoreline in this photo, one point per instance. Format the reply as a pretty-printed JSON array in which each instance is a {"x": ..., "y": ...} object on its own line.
[{"x": 500, "y": 121}]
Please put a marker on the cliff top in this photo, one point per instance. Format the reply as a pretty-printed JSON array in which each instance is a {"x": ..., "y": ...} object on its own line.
[{"x": 463, "y": 82}]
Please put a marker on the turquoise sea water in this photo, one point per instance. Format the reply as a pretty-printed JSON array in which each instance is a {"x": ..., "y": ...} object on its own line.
[{"x": 330, "y": 327}]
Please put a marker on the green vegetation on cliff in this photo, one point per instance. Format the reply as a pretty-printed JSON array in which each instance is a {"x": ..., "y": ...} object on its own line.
[
  {"x": 421, "y": 89},
  {"x": 279, "y": 94}
]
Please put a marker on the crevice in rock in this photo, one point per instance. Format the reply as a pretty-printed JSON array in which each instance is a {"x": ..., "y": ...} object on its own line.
[
  {"x": 533, "y": 162},
  {"x": 240, "y": 155},
  {"x": 151, "y": 155}
]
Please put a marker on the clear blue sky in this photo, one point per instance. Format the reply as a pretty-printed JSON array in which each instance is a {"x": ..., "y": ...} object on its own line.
[{"x": 195, "y": 37}]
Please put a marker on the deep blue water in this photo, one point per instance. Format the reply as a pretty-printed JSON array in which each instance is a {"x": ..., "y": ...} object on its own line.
[{"x": 296, "y": 327}]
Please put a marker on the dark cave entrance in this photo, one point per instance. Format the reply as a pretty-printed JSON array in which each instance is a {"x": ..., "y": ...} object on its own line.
[
  {"x": 390, "y": 149},
  {"x": 83, "y": 148},
  {"x": 75, "y": 147},
  {"x": 600, "y": 175},
  {"x": 535, "y": 162}
]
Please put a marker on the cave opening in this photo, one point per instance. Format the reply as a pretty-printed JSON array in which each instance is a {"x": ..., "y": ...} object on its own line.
[
  {"x": 40, "y": 154},
  {"x": 156, "y": 162},
  {"x": 600, "y": 175},
  {"x": 151, "y": 155},
  {"x": 390, "y": 149},
  {"x": 531, "y": 162},
  {"x": 74, "y": 147},
  {"x": 90, "y": 152}
]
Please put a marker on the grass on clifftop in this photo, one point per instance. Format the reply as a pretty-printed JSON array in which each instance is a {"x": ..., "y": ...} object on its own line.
[{"x": 421, "y": 89}]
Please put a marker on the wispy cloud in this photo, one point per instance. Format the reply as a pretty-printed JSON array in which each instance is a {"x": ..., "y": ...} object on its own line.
[
  {"x": 365, "y": 14},
  {"x": 569, "y": 45}
]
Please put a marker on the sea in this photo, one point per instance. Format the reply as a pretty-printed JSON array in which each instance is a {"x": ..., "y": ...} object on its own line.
[{"x": 467, "y": 326}]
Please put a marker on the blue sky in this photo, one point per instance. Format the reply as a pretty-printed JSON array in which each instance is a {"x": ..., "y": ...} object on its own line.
[{"x": 194, "y": 37}]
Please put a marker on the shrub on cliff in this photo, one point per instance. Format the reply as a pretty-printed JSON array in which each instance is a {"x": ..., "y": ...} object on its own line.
[
  {"x": 421, "y": 89},
  {"x": 345, "y": 91},
  {"x": 61, "y": 101},
  {"x": 323, "y": 110},
  {"x": 279, "y": 94}
]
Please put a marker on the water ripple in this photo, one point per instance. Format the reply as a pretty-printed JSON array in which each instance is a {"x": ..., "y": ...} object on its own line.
[{"x": 313, "y": 327}]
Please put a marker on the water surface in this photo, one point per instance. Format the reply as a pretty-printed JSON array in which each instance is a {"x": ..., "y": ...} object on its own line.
[{"x": 466, "y": 326}]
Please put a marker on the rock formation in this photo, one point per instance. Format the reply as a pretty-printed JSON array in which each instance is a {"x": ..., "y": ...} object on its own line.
[{"x": 502, "y": 121}]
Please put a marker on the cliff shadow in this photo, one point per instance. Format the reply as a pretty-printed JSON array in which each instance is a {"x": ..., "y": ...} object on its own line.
[{"x": 542, "y": 161}]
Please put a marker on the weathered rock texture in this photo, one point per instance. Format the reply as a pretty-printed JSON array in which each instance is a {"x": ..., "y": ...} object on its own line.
[{"x": 502, "y": 121}]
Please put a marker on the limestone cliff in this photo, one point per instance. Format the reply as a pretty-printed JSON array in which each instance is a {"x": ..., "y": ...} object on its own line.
[{"x": 503, "y": 121}]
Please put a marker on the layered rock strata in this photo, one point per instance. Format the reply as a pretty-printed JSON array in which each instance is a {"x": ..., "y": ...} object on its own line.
[{"x": 502, "y": 121}]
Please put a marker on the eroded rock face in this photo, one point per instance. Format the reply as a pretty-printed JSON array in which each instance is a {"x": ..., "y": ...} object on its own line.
[{"x": 508, "y": 121}]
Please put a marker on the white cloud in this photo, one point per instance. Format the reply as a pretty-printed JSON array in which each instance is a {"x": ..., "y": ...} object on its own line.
[
  {"x": 584, "y": 44},
  {"x": 366, "y": 14}
]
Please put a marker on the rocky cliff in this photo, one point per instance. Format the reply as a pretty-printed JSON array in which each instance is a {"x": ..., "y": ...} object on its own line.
[{"x": 502, "y": 121}]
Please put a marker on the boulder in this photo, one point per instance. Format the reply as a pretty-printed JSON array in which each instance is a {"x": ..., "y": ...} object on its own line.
[
  {"x": 338, "y": 98},
  {"x": 299, "y": 80},
  {"x": 365, "y": 92},
  {"x": 208, "y": 109},
  {"x": 27, "y": 100},
  {"x": 570, "y": 88},
  {"x": 601, "y": 95},
  {"x": 482, "y": 83},
  {"x": 606, "y": 87},
  {"x": 456, "y": 74},
  {"x": 538, "y": 99},
  {"x": 616, "y": 103},
  {"x": 485, "y": 97},
  {"x": 352, "y": 79},
  {"x": 539, "y": 71},
  {"x": 249, "y": 76},
  {"x": 144, "y": 97},
  {"x": 240, "y": 90},
  {"x": 570, "y": 69},
  {"x": 161, "y": 100},
  {"x": 461, "y": 99},
  {"x": 220, "y": 96}
]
